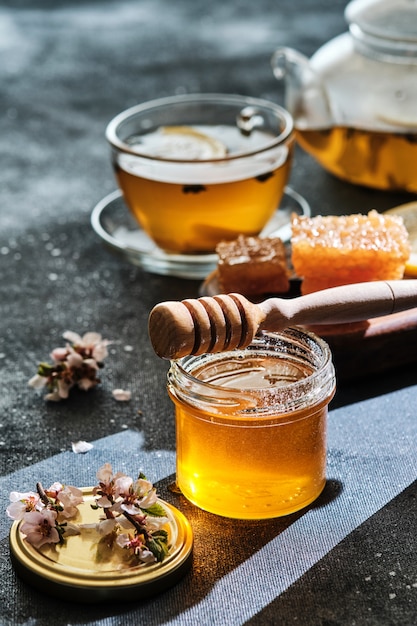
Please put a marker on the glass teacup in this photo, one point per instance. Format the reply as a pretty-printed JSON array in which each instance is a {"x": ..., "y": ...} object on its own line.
[{"x": 198, "y": 169}]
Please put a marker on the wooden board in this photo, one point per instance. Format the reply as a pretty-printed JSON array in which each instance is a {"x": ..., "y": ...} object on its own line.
[{"x": 374, "y": 346}]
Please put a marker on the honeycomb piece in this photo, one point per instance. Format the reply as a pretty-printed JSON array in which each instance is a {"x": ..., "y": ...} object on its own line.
[
  {"x": 252, "y": 266},
  {"x": 328, "y": 251}
]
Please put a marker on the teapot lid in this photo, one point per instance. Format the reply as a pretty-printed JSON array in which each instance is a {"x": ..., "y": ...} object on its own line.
[{"x": 387, "y": 27}]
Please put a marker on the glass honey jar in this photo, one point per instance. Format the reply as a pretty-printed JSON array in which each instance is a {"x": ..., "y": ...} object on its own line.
[{"x": 251, "y": 425}]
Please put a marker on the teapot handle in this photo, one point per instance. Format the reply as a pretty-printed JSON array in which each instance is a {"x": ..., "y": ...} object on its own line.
[{"x": 306, "y": 97}]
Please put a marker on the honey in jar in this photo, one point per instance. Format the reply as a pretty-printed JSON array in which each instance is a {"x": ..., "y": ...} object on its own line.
[{"x": 251, "y": 425}]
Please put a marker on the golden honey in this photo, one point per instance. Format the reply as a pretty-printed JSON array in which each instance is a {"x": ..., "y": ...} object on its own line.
[
  {"x": 251, "y": 425},
  {"x": 378, "y": 159}
]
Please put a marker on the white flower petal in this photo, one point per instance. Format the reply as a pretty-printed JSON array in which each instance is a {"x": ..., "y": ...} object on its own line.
[
  {"x": 91, "y": 338},
  {"x": 155, "y": 523},
  {"x": 72, "y": 529},
  {"x": 131, "y": 509},
  {"x": 92, "y": 363},
  {"x": 56, "y": 487},
  {"x": 74, "y": 359},
  {"x": 73, "y": 337},
  {"x": 106, "y": 526},
  {"x": 146, "y": 556},
  {"x": 122, "y": 485},
  {"x": 100, "y": 351},
  {"x": 59, "y": 354},
  {"x": 53, "y": 397},
  {"x": 105, "y": 472},
  {"x": 148, "y": 500},
  {"x": 63, "y": 389},
  {"x": 104, "y": 502},
  {"x": 121, "y": 395},
  {"x": 16, "y": 496},
  {"x": 81, "y": 447},
  {"x": 123, "y": 540},
  {"x": 124, "y": 523},
  {"x": 86, "y": 383},
  {"x": 37, "y": 382}
]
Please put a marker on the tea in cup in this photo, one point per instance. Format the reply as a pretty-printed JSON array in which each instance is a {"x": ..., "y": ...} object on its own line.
[{"x": 198, "y": 169}]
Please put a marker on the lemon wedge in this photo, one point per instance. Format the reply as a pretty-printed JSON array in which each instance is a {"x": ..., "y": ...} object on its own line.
[
  {"x": 185, "y": 143},
  {"x": 411, "y": 266},
  {"x": 409, "y": 214}
]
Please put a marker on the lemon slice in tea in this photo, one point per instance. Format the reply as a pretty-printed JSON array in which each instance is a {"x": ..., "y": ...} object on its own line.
[{"x": 183, "y": 143}]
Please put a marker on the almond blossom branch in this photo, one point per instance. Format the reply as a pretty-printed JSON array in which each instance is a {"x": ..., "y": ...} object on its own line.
[{"x": 76, "y": 364}]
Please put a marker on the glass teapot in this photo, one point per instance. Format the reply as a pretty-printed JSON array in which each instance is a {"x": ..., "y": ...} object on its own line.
[{"x": 354, "y": 102}]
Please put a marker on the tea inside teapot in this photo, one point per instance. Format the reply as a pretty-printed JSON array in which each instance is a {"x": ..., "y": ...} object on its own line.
[{"x": 354, "y": 102}]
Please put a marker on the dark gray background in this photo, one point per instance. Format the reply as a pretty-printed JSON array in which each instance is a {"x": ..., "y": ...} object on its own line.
[{"x": 66, "y": 68}]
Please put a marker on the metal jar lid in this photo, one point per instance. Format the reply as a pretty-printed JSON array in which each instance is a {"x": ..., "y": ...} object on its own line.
[{"x": 73, "y": 572}]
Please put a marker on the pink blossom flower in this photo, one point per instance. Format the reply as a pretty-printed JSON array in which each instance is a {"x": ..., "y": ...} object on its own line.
[
  {"x": 22, "y": 503},
  {"x": 122, "y": 486},
  {"x": 59, "y": 354},
  {"x": 127, "y": 542},
  {"x": 107, "y": 486},
  {"x": 63, "y": 499},
  {"x": 105, "y": 473},
  {"x": 90, "y": 344},
  {"x": 74, "y": 359},
  {"x": 136, "y": 495},
  {"x": 40, "y": 528},
  {"x": 76, "y": 364},
  {"x": 69, "y": 498},
  {"x": 54, "y": 490},
  {"x": 127, "y": 517},
  {"x": 145, "y": 492}
]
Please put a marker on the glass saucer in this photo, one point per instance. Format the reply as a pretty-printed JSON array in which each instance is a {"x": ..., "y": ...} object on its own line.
[{"x": 114, "y": 224}]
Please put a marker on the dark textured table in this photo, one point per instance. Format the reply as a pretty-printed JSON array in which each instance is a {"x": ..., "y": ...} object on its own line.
[{"x": 66, "y": 69}]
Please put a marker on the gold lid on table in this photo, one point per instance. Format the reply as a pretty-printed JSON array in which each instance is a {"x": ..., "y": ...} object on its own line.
[{"x": 80, "y": 572}]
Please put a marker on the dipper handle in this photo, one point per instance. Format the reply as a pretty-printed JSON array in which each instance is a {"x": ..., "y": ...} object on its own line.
[{"x": 225, "y": 322}]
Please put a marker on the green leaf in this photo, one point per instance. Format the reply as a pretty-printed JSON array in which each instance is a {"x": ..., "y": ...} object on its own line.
[
  {"x": 158, "y": 545},
  {"x": 44, "y": 369},
  {"x": 156, "y": 510}
]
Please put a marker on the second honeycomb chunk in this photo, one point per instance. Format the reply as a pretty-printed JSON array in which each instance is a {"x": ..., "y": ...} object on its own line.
[{"x": 337, "y": 250}]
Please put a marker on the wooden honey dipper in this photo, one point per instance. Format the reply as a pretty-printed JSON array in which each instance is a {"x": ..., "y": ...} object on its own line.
[{"x": 225, "y": 322}]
